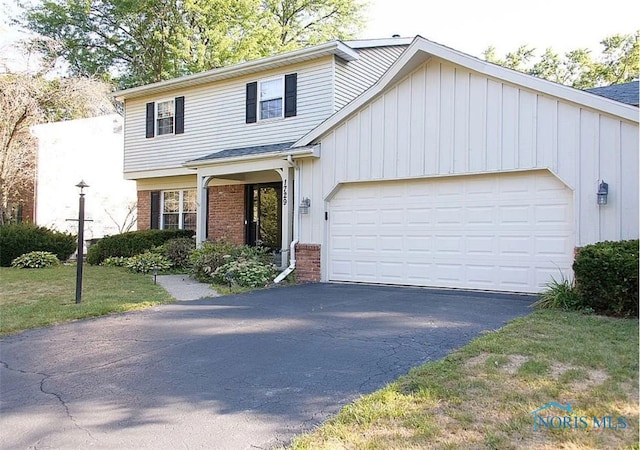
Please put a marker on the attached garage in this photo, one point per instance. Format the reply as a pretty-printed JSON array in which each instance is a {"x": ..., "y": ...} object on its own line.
[
  {"x": 507, "y": 232},
  {"x": 454, "y": 172}
]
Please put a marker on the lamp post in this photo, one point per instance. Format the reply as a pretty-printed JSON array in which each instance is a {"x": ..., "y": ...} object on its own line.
[{"x": 80, "y": 258}]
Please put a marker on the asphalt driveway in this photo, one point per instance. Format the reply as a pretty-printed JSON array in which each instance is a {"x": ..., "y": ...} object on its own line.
[{"x": 236, "y": 372}]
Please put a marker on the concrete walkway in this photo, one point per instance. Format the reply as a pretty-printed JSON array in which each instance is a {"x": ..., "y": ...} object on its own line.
[{"x": 185, "y": 288}]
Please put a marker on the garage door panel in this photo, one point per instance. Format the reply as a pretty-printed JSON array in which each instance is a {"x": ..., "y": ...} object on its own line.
[
  {"x": 392, "y": 217},
  {"x": 552, "y": 246},
  {"x": 507, "y": 232},
  {"x": 550, "y": 214},
  {"x": 480, "y": 245},
  {"x": 419, "y": 245},
  {"x": 391, "y": 243}
]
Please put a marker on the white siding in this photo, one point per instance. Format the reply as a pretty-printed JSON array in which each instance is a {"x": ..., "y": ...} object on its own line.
[
  {"x": 215, "y": 119},
  {"x": 353, "y": 78},
  {"x": 444, "y": 120}
]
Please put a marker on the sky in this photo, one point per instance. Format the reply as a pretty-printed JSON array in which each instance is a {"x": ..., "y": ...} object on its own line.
[{"x": 471, "y": 26}]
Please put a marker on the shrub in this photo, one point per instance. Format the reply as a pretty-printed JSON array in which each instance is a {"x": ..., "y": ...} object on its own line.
[
  {"x": 147, "y": 262},
  {"x": 178, "y": 251},
  {"x": 607, "y": 277},
  {"x": 245, "y": 272},
  {"x": 35, "y": 260},
  {"x": 18, "y": 239},
  {"x": 559, "y": 295},
  {"x": 206, "y": 259},
  {"x": 115, "y": 261},
  {"x": 132, "y": 243}
]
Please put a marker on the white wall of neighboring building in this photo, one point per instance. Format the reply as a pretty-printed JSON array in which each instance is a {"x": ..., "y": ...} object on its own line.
[{"x": 84, "y": 149}]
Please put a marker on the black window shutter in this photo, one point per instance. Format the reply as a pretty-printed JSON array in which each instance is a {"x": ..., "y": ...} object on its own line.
[
  {"x": 179, "y": 106},
  {"x": 290, "y": 94},
  {"x": 252, "y": 102},
  {"x": 155, "y": 210},
  {"x": 151, "y": 113}
]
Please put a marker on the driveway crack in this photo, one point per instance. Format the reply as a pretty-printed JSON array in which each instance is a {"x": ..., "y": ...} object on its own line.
[{"x": 45, "y": 377}]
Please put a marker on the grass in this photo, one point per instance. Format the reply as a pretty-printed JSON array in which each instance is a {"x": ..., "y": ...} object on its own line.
[
  {"x": 482, "y": 395},
  {"x": 39, "y": 297}
]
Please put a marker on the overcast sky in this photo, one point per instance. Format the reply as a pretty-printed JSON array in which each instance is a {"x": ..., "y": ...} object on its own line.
[{"x": 472, "y": 25}]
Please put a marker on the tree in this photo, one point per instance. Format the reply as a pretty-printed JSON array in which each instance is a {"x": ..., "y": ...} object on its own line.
[
  {"x": 27, "y": 100},
  {"x": 127, "y": 217},
  {"x": 138, "y": 42},
  {"x": 618, "y": 63}
]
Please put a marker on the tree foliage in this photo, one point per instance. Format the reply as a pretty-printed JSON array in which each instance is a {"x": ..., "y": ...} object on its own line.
[
  {"x": 27, "y": 100},
  {"x": 618, "y": 62},
  {"x": 142, "y": 41}
]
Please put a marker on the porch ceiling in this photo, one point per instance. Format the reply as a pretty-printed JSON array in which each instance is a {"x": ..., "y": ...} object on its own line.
[{"x": 263, "y": 176}]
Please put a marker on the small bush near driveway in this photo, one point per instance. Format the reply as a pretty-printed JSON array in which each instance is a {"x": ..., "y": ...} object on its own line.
[{"x": 607, "y": 277}]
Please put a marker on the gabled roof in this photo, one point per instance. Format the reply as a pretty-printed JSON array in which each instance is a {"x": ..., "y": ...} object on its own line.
[
  {"x": 422, "y": 49},
  {"x": 625, "y": 92}
]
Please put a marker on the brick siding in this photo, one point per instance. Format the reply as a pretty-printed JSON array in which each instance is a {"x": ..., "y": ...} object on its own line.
[
  {"x": 227, "y": 213},
  {"x": 144, "y": 210},
  {"x": 307, "y": 263}
]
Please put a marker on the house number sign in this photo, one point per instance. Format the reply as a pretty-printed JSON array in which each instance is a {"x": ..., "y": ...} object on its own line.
[{"x": 284, "y": 192}]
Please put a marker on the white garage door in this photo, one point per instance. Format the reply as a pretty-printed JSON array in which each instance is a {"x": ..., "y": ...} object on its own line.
[{"x": 508, "y": 232}]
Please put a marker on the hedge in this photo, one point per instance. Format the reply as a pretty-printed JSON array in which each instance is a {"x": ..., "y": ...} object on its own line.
[
  {"x": 20, "y": 238},
  {"x": 606, "y": 276},
  {"x": 132, "y": 243}
]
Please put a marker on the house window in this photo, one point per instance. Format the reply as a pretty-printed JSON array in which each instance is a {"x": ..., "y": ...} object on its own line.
[
  {"x": 271, "y": 98},
  {"x": 179, "y": 210},
  {"x": 164, "y": 117}
]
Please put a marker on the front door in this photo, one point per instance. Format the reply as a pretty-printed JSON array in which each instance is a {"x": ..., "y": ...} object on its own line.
[{"x": 264, "y": 215}]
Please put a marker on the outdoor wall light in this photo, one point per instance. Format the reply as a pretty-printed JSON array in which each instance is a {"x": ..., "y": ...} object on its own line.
[
  {"x": 305, "y": 204},
  {"x": 603, "y": 191}
]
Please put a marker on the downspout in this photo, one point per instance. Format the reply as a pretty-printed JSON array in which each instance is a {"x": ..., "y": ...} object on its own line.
[{"x": 296, "y": 225}]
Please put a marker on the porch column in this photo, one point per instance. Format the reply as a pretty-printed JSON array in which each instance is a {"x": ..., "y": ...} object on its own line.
[
  {"x": 286, "y": 173},
  {"x": 201, "y": 211}
]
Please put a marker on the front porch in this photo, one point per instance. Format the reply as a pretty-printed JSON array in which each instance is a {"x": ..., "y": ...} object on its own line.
[{"x": 247, "y": 196}]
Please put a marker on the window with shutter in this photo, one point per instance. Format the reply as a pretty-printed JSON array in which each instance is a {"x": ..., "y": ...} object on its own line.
[
  {"x": 165, "y": 117},
  {"x": 272, "y": 98}
]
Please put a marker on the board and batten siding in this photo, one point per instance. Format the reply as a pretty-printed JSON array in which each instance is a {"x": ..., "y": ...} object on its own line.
[
  {"x": 215, "y": 118},
  {"x": 354, "y": 77},
  {"x": 447, "y": 120}
]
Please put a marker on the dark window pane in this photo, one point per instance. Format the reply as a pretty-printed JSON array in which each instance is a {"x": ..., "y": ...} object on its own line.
[
  {"x": 170, "y": 221},
  {"x": 189, "y": 221},
  {"x": 271, "y": 109}
]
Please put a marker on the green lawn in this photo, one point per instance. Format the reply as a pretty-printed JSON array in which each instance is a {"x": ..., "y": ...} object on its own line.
[
  {"x": 39, "y": 297},
  {"x": 482, "y": 396}
]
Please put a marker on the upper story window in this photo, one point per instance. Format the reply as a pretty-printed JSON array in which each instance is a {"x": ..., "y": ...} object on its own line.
[
  {"x": 165, "y": 117},
  {"x": 272, "y": 98}
]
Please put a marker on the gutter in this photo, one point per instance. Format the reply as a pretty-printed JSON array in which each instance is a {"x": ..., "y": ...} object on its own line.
[{"x": 296, "y": 225}]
